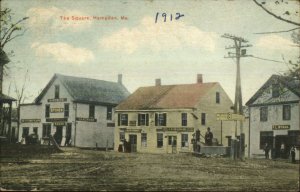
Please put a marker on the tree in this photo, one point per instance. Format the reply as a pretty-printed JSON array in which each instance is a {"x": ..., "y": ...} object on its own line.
[
  {"x": 294, "y": 66},
  {"x": 9, "y": 30},
  {"x": 20, "y": 92},
  {"x": 286, "y": 11},
  {"x": 288, "y": 14}
]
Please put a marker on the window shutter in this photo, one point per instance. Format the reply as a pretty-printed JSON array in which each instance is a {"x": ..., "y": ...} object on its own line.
[
  {"x": 156, "y": 119},
  {"x": 126, "y": 119},
  {"x": 165, "y": 119},
  {"x": 147, "y": 119},
  {"x": 119, "y": 119},
  {"x": 139, "y": 119}
]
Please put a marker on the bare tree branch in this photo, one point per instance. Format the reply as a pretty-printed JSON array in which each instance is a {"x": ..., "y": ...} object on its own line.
[
  {"x": 278, "y": 31},
  {"x": 9, "y": 32},
  {"x": 12, "y": 27},
  {"x": 276, "y": 16},
  {"x": 9, "y": 39}
]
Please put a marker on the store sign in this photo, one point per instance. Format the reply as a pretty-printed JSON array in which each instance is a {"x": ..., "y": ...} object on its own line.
[
  {"x": 58, "y": 100},
  {"x": 280, "y": 127},
  {"x": 56, "y": 119},
  {"x": 59, "y": 123},
  {"x": 30, "y": 120},
  {"x": 57, "y": 110},
  {"x": 229, "y": 117},
  {"x": 86, "y": 119},
  {"x": 110, "y": 125},
  {"x": 133, "y": 130},
  {"x": 178, "y": 129}
]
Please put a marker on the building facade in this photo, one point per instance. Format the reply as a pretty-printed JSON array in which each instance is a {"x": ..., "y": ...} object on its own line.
[
  {"x": 76, "y": 111},
  {"x": 165, "y": 118},
  {"x": 274, "y": 117}
]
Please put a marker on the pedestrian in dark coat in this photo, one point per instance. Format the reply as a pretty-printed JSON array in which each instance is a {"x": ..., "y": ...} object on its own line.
[
  {"x": 208, "y": 137},
  {"x": 267, "y": 150}
]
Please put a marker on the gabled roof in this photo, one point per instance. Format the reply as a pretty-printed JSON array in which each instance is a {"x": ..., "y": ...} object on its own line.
[
  {"x": 166, "y": 97},
  {"x": 87, "y": 90},
  {"x": 290, "y": 83}
]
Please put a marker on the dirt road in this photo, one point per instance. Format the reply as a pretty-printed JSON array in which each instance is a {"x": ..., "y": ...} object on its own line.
[{"x": 100, "y": 171}]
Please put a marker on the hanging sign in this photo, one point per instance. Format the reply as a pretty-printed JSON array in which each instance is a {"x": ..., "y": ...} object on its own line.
[
  {"x": 86, "y": 119},
  {"x": 30, "y": 120}
]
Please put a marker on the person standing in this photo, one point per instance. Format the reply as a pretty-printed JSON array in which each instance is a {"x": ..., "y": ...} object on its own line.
[
  {"x": 267, "y": 150},
  {"x": 293, "y": 154},
  {"x": 208, "y": 137},
  {"x": 282, "y": 150}
]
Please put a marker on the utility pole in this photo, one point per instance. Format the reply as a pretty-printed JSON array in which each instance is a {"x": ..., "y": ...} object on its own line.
[{"x": 240, "y": 51}]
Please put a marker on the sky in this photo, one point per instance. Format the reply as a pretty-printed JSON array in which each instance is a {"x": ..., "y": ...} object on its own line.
[{"x": 73, "y": 38}]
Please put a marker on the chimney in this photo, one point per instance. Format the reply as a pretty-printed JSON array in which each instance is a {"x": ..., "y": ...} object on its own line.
[
  {"x": 157, "y": 82},
  {"x": 120, "y": 78},
  {"x": 199, "y": 78}
]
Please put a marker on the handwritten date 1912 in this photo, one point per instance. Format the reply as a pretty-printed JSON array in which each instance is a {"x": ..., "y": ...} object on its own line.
[{"x": 165, "y": 16}]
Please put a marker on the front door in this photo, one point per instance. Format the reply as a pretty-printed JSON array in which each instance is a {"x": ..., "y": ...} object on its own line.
[
  {"x": 281, "y": 146},
  {"x": 172, "y": 144},
  {"x": 13, "y": 134},
  {"x": 25, "y": 132},
  {"x": 132, "y": 141},
  {"x": 58, "y": 134},
  {"x": 68, "y": 134}
]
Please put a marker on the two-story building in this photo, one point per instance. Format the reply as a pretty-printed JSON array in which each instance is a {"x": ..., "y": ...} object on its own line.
[
  {"x": 76, "y": 111},
  {"x": 274, "y": 116},
  {"x": 164, "y": 118}
]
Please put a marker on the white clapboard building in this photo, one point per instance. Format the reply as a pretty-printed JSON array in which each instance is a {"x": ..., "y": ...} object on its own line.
[
  {"x": 275, "y": 117},
  {"x": 76, "y": 111}
]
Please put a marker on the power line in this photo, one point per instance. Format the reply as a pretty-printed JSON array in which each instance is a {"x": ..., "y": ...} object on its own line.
[{"x": 266, "y": 59}]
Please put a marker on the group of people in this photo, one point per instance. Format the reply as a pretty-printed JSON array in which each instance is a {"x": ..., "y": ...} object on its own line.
[{"x": 292, "y": 153}]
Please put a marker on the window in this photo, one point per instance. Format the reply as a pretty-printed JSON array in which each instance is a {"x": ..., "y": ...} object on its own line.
[
  {"x": 143, "y": 119},
  {"x": 35, "y": 130},
  {"x": 25, "y": 131},
  {"x": 122, "y": 136},
  {"x": 264, "y": 114},
  {"x": 47, "y": 111},
  {"x": 56, "y": 94},
  {"x": 275, "y": 90},
  {"x": 184, "y": 140},
  {"x": 144, "y": 139},
  {"x": 108, "y": 113},
  {"x": 46, "y": 130},
  {"x": 92, "y": 111},
  {"x": 294, "y": 137},
  {"x": 203, "y": 118},
  {"x": 123, "y": 119},
  {"x": 217, "y": 97},
  {"x": 160, "y": 119},
  {"x": 266, "y": 137},
  {"x": 183, "y": 119},
  {"x": 66, "y": 112},
  {"x": 160, "y": 141},
  {"x": 286, "y": 112},
  {"x": 172, "y": 140}
]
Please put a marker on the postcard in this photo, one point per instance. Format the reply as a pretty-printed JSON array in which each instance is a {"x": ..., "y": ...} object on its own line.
[{"x": 150, "y": 95}]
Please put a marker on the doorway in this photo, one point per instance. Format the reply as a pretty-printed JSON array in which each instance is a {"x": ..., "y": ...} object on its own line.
[
  {"x": 25, "y": 132},
  {"x": 68, "y": 134},
  {"x": 13, "y": 135},
  {"x": 58, "y": 134},
  {"x": 172, "y": 144},
  {"x": 282, "y": 140},
  {"x": 133, "y": 142}
]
